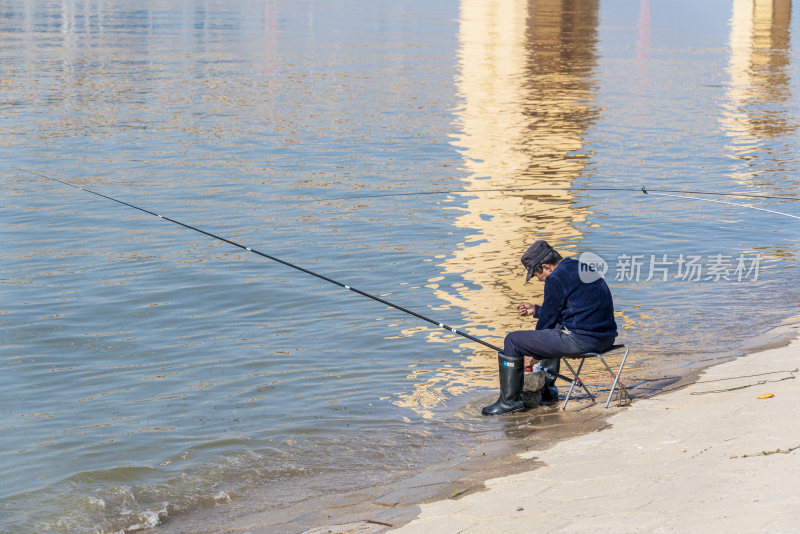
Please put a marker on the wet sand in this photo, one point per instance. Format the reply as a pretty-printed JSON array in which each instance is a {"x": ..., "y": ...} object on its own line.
[{"x": 709, "y": 455}]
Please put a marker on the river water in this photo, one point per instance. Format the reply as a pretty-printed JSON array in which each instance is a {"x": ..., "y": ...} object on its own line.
[{"x": 151, "y": 374}]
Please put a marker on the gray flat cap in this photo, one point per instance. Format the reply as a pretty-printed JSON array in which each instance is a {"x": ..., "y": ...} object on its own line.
[{"x": 535, "y": 254}]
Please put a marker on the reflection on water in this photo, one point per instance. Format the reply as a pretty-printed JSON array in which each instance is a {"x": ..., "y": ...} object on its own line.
[
  {"x": 760, "y": 85},
  {"x": 643, "y": 45},
  {"x": 526, "y": 85}
]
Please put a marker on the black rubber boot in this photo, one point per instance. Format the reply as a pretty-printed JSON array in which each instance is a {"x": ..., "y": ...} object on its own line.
[
  {"x": 511, "y": 378},
  {"x": 550, "y": 391}
]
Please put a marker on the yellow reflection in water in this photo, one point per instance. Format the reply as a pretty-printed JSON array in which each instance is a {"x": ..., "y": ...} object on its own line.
[
  {"x": 526, "y": 85},
  {"x": 759, "y": 78}
]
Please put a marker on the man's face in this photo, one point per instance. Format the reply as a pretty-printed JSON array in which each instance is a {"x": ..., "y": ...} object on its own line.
[{"x": 544, "y": 273}]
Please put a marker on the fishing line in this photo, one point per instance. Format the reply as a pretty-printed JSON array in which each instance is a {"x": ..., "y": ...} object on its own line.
[
  {"x": 454, "y": 191},
  {"x": 650, "y": 192},
  {"x": 513, "y": 189},
  {"x": 278, "y": 260}
]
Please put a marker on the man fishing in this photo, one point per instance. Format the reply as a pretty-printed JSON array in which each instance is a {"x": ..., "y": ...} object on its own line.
[{"x": 576, "y": 316}]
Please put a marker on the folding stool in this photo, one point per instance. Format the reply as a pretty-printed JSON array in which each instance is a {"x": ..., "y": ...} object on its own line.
[{"x": 576, "y": 380}]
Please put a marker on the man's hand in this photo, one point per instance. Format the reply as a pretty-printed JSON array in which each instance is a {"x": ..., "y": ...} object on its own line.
[{"x": 525, "y": 309}]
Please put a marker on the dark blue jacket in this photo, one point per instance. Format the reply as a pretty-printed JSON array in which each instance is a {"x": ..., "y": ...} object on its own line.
[{"x": 587, "y": 310}]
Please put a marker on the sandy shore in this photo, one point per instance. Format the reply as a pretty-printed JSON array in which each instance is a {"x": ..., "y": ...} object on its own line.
[{"x": 710, "y": 457}]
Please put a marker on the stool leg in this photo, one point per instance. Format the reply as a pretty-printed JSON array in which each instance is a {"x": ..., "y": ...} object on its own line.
[
  {"x": 576, "y": 380},
  {"x": 616, "y": 378},
  {"x": 572, "y": 382}
]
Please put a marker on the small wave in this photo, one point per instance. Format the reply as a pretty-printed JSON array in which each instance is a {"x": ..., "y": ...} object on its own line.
[
  {"x": 148, "y": 519},
  {"x": 118, "y": 511}
]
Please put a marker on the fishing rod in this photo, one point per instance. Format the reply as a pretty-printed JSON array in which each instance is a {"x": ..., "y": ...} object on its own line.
[
  {"x": 275, "y": 259},
  {"x": 353, "y": 289},
  {"x": 652, "y": 192},
  {"x": 513, "y": 189}
]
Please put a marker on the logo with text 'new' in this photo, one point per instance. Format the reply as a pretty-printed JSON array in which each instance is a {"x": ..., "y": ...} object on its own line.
[{"x": 591, "y": 267}]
